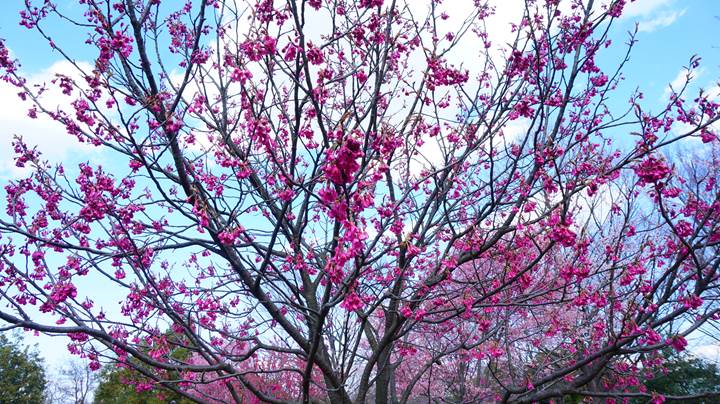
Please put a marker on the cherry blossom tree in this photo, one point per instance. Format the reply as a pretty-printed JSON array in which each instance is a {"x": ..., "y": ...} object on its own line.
[{"x": 347, "y": 201}]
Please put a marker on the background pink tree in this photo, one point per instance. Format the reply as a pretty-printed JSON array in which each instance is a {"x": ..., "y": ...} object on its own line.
[{"x": 314, "y": 202}]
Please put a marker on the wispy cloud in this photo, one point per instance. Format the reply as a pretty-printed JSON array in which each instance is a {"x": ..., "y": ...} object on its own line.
[
  {"x": 643, "y": 8},
  {"x": 662, "y": 20},
  {"x": 709, "y": 352},
  {"x": 48, "y": 135}
]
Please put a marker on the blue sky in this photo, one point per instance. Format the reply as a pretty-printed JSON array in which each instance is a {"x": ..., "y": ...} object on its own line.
[
  {"x": 671, "y": 31},
  {"x": 670, "y": 34}
]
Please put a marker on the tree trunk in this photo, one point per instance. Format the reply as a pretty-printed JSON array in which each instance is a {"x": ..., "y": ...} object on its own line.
[{"x": 382, "y": 381}]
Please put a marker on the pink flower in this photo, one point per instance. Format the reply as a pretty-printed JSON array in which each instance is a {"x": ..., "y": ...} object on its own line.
[
  {"x": 240, "y": 75},
  {"x": 707, "y": 136},
  {"x": 286, "y": 195},
  {"x": 342, "y": 164},
  {"x": 328, "y": 195},
  {"x": 314, "y": 55},
  {"x": 652, "y": 170},
  {"x": 684, "y": 229},
  {"x": 290, "y": 52},
  {"x": 371, "y": 3},
  {"x": 406, "y": 311},
  {"x": 443, "y": 75},
  {"x": 563, "y": 235},
  {"x": 652, "y": 337},
  {"x": 256, "y": 49},
  {"x": 692, "y": 301},
  {"x": 678, "y": 343},
  {"x": 616, "y": 9},
  {"x": 599, "y": 81},
  {"x": 122, "y": 44},
  {"x": 406, "y": 350},
  {"x": 135, "y": 165},
  {"x": 60, "y": 293},
  {"x": 561, "y": 232},
  {"x": 495, "y": 352},
  {"x": 352, "y": 302},
  {"x": 228, "y": 237}
]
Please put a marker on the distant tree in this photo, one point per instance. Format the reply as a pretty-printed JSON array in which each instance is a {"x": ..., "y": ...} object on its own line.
[
  {"x": 22, "y": 377},
  {"x": 129, "y": 384},
  {"x": 73, "y": 383},
  {"x": 119, "y": 386},
  {"x": 686, "y": 376}
]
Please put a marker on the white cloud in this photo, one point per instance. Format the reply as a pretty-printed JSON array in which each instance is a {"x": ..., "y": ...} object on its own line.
[
  {"x": 643, "y": 8},
  {"x": 713, "y": 92},
  {"x": 49, "y": 136},
  {"x": 662, "y": 20},
  {"x": 709, "y": 352},
  {"x": 652, "y": 15}
]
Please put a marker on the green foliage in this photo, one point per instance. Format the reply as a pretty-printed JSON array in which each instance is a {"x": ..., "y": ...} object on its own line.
[
  {"x": 22, "y": 377},
  {"x": 114, "y": 389},
  {"x": 687, "y": 375}
]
